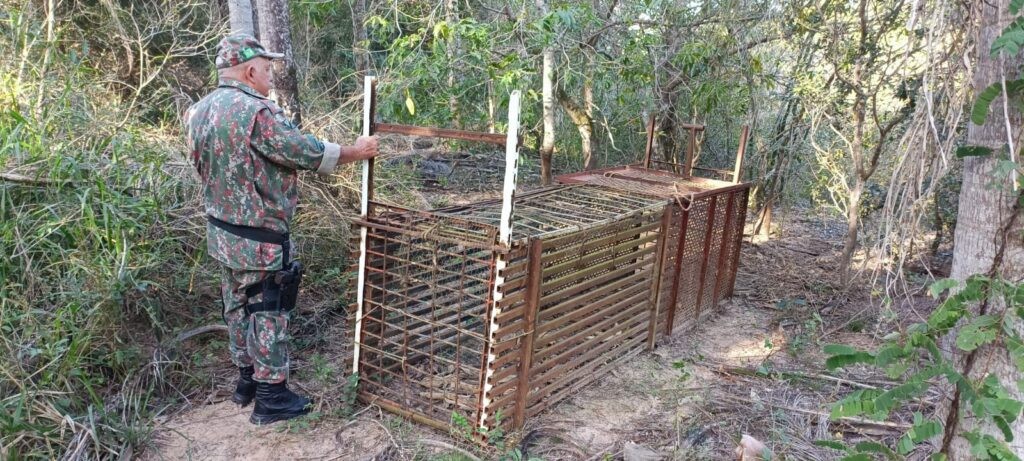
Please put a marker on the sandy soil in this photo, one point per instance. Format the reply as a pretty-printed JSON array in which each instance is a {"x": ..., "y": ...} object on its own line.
[{"x": 222, "y": 431}]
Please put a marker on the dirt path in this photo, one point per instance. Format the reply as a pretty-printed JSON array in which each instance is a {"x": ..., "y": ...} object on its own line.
[{"x": 689, "y": 399}]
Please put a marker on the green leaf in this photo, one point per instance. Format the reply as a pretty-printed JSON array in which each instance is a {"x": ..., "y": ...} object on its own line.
[
  {"x": 1015, "y": 6},
  {"x": 1014, "y": 88},
  {"x": 858, "y": 403},
  {"x": 838, "y": 349},
  {"x": 979, "y": 332},
  {"x": 919, "y": 433},
  {"x": 973, "y": 151},
  {"x": 875, "y": 447},
  {"x": 856, "y": 457},
  {"x": 831, "y": 444},
  {"x": 409, "y": 104},
  {"x": 940, "y": 286},
  {"x": 980, "y": 110},
  {"x": 1016, "y": 348}
]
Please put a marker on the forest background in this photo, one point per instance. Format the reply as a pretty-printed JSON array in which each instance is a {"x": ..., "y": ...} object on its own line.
[{"x": 858, "y": 110}]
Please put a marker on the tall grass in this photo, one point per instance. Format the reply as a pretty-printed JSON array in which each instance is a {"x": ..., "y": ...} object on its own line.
[{"x": 95, "y": 242}]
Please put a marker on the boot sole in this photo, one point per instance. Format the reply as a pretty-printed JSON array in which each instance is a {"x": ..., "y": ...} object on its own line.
[
  {"x": 269, "y": 419},
  {"x": 242, "y": 400}
]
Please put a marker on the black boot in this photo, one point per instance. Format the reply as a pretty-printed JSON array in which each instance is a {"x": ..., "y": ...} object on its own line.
[
  {"x": 274, "y": 402},
  {"x": 245, "y": 388}
]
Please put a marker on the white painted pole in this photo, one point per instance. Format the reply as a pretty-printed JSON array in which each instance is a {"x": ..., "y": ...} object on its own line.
[
  {"x": 504, "y": 238},
  {"x": 364, "y": 210}
]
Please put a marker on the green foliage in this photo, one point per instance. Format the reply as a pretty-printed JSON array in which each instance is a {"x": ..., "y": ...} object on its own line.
[
  {"x": 92, "y": 260},
  {"x": 914, "y": 359},
  {"x": 1015, "y": 88},
  {"x": 974, "y": 151}
]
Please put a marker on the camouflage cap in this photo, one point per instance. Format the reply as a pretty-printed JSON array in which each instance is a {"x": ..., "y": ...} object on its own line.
[{"x": 238, "y": 48}]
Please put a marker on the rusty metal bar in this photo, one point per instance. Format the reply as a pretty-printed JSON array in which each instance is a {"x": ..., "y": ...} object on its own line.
[
  {"x": 446, "y": 133},
  {"x": 744, "y": 197},
  {"x": 707, "y": 253},
  {"x": 722, "y": 254},
  {"x": 676, "y": 271},
  {"x": 666, "y": 217},
  {"x": 649, "y": 149},
  {"x": 738, "y": 165},
  {"x": 691, "y": 148},
  {"x": 530, "y": 323}
]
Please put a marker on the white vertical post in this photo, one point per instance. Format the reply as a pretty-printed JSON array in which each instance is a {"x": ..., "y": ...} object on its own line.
[
  {"x": 364, "y": 211},
  {"x": 504, "y": 238}
]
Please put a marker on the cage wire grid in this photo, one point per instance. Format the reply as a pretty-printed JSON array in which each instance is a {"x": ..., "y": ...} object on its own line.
[{"x": 577, "y": 296}]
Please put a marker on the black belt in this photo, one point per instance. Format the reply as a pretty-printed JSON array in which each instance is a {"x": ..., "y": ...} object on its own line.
[{"x": 258, "y": 234}]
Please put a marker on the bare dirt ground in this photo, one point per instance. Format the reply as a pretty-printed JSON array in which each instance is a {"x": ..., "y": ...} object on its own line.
[{"x": 754, "y": 367}]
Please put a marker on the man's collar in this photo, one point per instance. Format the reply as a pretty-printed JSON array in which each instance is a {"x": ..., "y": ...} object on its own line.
[{"x": 225, "y": 82}]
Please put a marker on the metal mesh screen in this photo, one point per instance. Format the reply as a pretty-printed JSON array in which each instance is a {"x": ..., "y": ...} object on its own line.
[{"x": 702, "y": 253}]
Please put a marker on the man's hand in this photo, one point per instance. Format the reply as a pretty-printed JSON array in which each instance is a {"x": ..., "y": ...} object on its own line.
[{"x": 364, "y": 148}]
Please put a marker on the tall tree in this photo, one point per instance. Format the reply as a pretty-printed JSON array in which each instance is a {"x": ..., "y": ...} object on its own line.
[
  {"x": 360, "y": 42},
  {"x": 275, "y": 34},
  {"x": 988, "y": 232},
  {"x": 240, "y": 14},
  {"x": 865, "y": 48},
  {"x": 547, "y": 147}
]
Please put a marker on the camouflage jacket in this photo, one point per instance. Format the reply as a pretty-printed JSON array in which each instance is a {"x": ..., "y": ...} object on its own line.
[{"x": 247, "y": 154}]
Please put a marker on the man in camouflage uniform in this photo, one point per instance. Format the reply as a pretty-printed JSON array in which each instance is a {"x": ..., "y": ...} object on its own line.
[{"x": 247, "y": 154}]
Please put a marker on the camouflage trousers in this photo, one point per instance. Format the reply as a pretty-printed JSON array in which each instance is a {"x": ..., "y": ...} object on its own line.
[{"x": 260, "y": 339}]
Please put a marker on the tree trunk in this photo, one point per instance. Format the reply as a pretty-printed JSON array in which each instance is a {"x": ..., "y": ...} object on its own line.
[
  {"x": 852, "y": 228},
  {"x": 490, "y": 106},
  {"x": 240, "y": 12},
  {"x": 987, "y": 238},
  {"x": 360, "y": 42},
  {"x": 451, "y": 51},
  {"x": 275, "y": 35},
  {"x": 547, "y": 147},
  {"x": 584, "y": 124}
]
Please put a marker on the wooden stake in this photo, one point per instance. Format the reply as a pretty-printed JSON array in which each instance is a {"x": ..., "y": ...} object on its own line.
[{"x": 369, "y": 97}]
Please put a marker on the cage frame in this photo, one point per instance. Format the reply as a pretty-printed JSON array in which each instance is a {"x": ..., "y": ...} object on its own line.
[
  {"x": 528, "y": 312},
  {"x": 704, "y": 193}
]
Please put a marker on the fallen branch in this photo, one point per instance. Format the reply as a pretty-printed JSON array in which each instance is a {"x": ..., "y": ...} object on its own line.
[
  {"x": 845, "y": 419},
  {"x": 797, "y": 374},
  {"x": 185, "y": 335},
  {"x": 22, "y": 179}
]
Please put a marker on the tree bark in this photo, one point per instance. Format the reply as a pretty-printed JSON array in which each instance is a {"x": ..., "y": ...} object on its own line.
[
  {"x": 547, "y": 147},
  {"x": 240, "y": 17},
  {"x": 987, "y": 239},
  {"x": 275, "y": 35},
  {"x": 360, "y": 41},
  {"x": 584, "y": 124}
]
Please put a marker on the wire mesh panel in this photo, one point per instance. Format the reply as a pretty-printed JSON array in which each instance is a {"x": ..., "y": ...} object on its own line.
[
  {"x": 703, "y": 254},
  {"x": 427, "y": 292}
]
